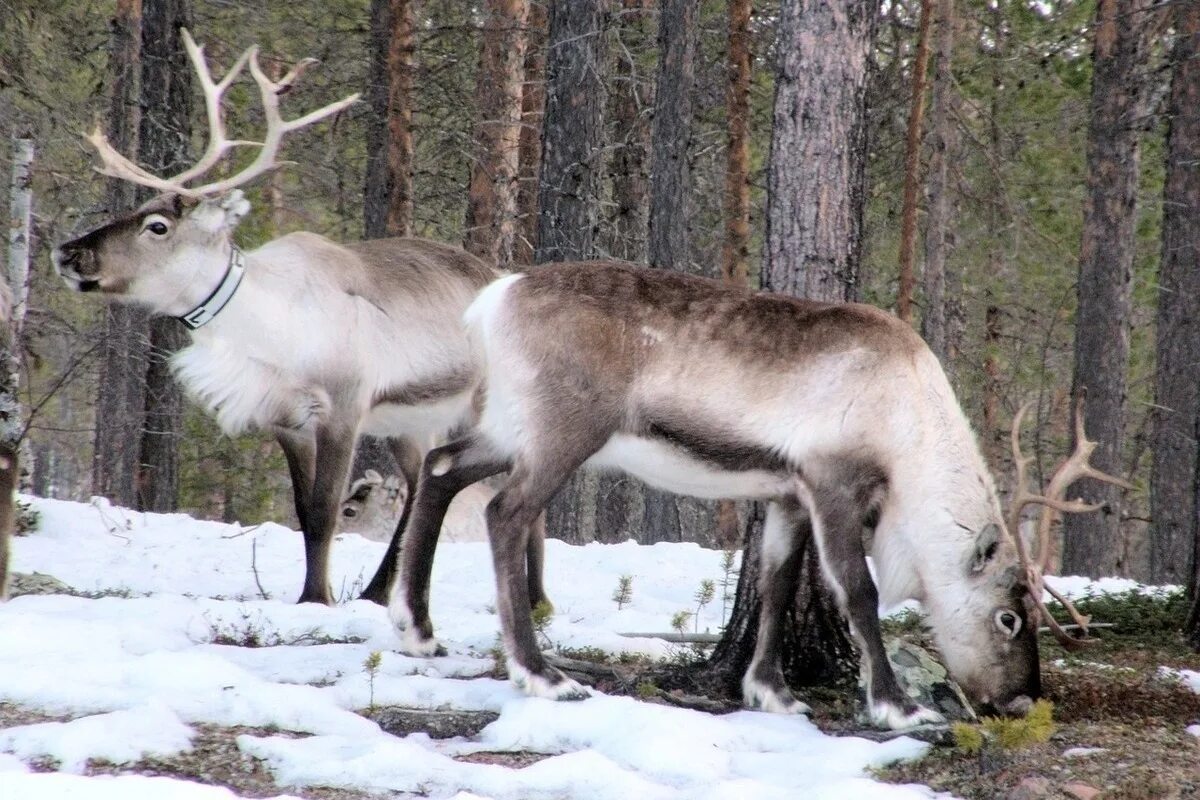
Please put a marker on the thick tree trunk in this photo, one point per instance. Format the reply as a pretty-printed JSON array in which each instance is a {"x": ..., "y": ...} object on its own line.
[
  {"x": 492, "y": 197},
  {"x": 815, "y": 178},
  {"x": 377, "y": 187},
  {"x": 935, "y": 324},
  {"x": 632, "y": 98},
  {"x": 568, "y": 201},
  {"x": 912, "y": 168},
  {"x": 572, "y": 130},
  {"x": 815, "y": 198},
  {"x": 120, "y": 401},
  {"x": 164, "y": 145},
  {"x": 670, "y": 184},
  {"x": 533, "y": 103},
  {"x": 1092, "y": 542},
  {"x": 1175, "y": 535}
]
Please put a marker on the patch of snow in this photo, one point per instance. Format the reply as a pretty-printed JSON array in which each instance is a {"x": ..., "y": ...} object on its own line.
[
  {"x": 61, "y": 786},
  {"x": 135, "y": 670},
  {"x": 1194, "y": 730},
  {"x": 1189, "y": 678},
  {"x": 118, "y": 737}
]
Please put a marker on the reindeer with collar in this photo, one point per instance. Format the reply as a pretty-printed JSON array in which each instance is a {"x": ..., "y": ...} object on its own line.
[{"x": 314, "y": 341}]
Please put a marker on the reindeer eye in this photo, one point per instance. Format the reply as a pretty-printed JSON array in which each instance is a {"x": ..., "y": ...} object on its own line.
[
  {"x": 156, "y": 225},
  {"x": 1008, "y": 622},
  {"x": 349, "y": 513}
]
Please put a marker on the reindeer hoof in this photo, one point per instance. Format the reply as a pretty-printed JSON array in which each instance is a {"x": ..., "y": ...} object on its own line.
[
  {"x": 413, "y": 644},
  {"x": 552, "y": 685},
  {"x": 893, "y": 717},
  {"x": 758, "y": 696}
]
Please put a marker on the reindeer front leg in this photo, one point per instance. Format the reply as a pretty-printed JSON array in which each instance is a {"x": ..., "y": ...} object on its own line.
[
  {"x": 329, "y": 460},
  {"x": 836, "y": 509},
  {"x": 445, "y": 472},
  {"x": 409, "y": 458}
]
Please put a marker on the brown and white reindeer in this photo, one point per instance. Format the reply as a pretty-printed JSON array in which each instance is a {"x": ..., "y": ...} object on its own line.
[
  {"x": 836, "y": 415},
  {"x": 314, "y": 341}
]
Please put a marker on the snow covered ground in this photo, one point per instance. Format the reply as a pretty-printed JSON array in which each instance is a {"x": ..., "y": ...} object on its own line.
[{"x": 134, "y": 671}]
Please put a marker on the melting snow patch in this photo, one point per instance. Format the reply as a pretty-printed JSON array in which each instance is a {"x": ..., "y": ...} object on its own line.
[
  {"x": 1083, "y": 752},
  {"x": 1194, "y": 730},
  {"x": 59, "y": 786}
]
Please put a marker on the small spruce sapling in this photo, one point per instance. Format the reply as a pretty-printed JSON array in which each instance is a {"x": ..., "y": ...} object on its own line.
[
  {"x": 624, "y": 592},
  {"x": 994, "y": 738},
  {"x": 543, "y": 615},
  {"x": 371, "y": 667},
  {"x": 729, "y": 577},
  {"x": 680, "y": 621},
  {"x": 704, "y": 595}
]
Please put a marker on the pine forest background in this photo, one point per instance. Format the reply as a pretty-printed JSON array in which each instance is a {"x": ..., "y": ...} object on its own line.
[{"x": 1003, "y": 152}]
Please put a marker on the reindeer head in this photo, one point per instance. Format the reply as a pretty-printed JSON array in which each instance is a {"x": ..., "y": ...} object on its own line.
[
  {"x": 988, "y": 633},
  {"x": 171, "y": 253}
]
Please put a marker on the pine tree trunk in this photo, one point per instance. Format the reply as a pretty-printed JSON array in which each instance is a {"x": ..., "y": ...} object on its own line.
[
  {"x": 492, "y": 197},
  {"x": 667, "y": 517},
  {"x": 935, "y": 324},
  {"x": 533, "y": 103},
  {"x": 121, "y": 396},
  {"x": 572, "y": 131},
  {"x": 1175, "y": 535},
  {"x": 377, "y": 187},
  {"x": 632, "y": 98},
  {"x": 164, "y": 145},
  {"x": 912, "y": 168},
  {"x": 400, "y": 67},
  {"x": 1092, "y": 542},
  {"x": 735, "y": 247},
  {"x": 815, "y": 200},
  {"x": 568, "y": 195},
  {"x": 816, "y": 175}
]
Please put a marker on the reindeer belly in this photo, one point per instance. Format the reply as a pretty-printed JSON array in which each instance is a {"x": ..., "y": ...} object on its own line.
[
  {"x": 420, "y": 421},
  {"x": 674, "y": 469}
]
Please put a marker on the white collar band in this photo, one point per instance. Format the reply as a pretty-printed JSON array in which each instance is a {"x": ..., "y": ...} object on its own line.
[{"x": 204, "y": 313}]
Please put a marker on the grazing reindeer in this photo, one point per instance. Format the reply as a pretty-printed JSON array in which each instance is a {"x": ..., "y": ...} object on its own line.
[
  {"x": 833, "y": 414},
  {"x": 314, "y": 341},
  {"x": 374, "y": 503}
]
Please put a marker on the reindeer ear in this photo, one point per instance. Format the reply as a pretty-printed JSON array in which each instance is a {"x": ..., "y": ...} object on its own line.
[
  {"x": 235, "y": 205},
  {"x": 986, "y": 545},
  {"x": 373, "y": 476}
]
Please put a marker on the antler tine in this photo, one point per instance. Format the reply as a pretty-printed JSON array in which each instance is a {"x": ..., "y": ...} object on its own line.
[
  {"x": 1070, "y": 470},
  {"x": 218, "y": 145},
  {"x": 269, "y": 91},
  {"x": 1021, "y": 497},
  {"x": 115, "y": 165}
]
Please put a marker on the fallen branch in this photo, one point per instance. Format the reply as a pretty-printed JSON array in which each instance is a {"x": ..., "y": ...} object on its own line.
[{"x": 676, "y": 637}]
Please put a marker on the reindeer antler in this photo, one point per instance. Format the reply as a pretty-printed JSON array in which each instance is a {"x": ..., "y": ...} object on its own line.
[
  {"x": 117, "y": 166},
  {"x": 1053, "y": 500}
]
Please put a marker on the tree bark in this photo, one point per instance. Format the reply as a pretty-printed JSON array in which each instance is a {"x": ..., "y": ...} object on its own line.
[
  {"x": 400, "y": 67},
  {"x": 816, "y": 172},
  {"x": 120, "y": 401},
  {"x": 735, "y": 247},
  {"x": 572, "y": 131},
  {"x": 815, "y": 199},
  {"x": 533, "y": 104},
  {"x": 568, "y": 195},
  {"x": 164, "y": 145},
  {"x": 1092, "y": 543},
  {"x": 912, "y": 168},
  {"x": 492, "y": 197},
  {"x": 943, "y": 140},
  {"x": 632, "y": 103},
  {"x": 377, "y": 187},
  {"x": 667, "y": 517},
  {"x": 671, "y": 185},
  {"x": 1175, "y": 535}
]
